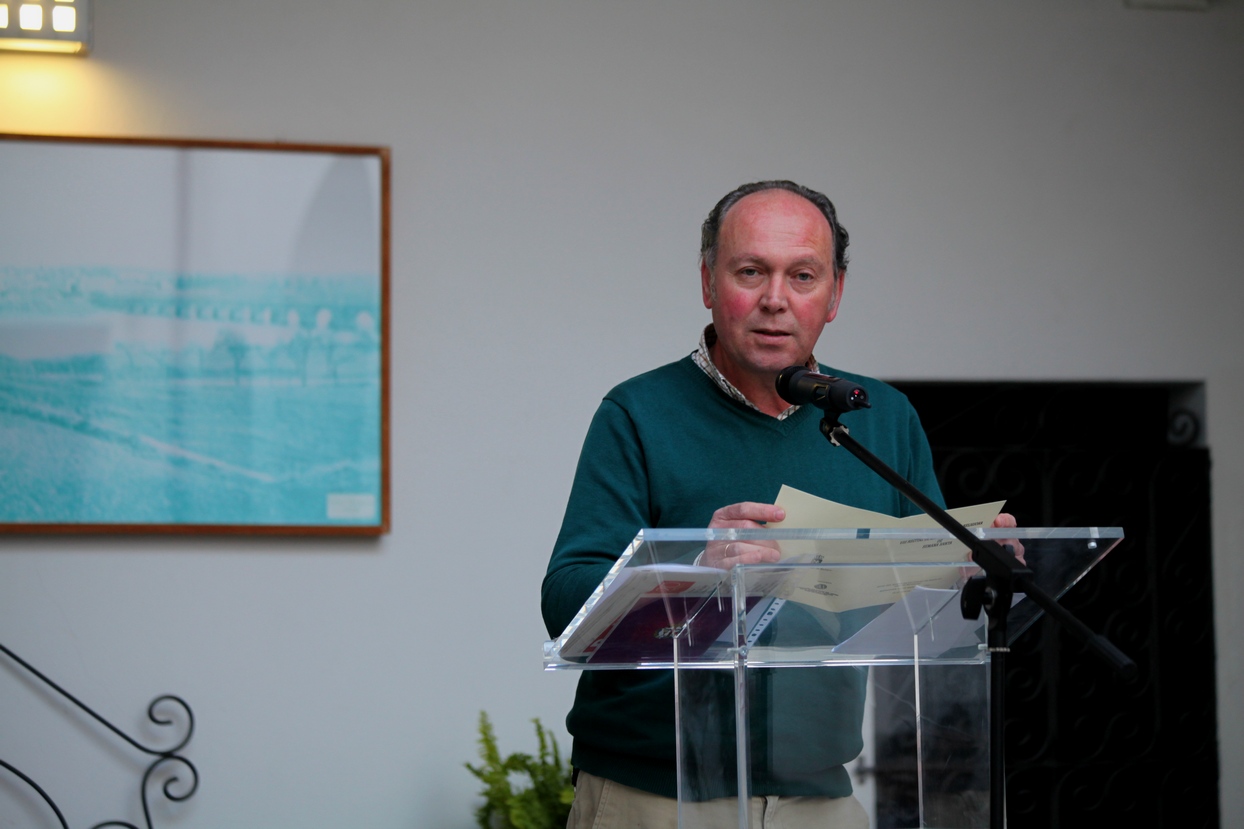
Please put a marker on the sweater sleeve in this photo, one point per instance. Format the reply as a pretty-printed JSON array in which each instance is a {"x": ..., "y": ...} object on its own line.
[
  {"x": 608, "y": 505},
  {"x": 920, "y": 469}
]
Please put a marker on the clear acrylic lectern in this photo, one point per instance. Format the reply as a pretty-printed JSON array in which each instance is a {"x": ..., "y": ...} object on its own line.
[{"x": 847, "y": 666}]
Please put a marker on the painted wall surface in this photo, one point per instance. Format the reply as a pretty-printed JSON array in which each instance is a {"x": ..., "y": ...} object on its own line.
[{"x": 1041, "y": 189}]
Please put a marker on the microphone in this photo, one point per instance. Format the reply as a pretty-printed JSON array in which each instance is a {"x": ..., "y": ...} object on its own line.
[{"x": 798, "y": 386}]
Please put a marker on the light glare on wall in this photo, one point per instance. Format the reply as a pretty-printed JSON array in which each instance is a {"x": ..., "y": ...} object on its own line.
[{"x": 46, "y": 26}]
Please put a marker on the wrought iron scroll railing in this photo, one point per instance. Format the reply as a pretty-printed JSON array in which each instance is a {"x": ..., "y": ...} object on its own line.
[{"x": 175, "y": 776}]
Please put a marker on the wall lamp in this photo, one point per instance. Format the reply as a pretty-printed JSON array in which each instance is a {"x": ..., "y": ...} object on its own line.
[{"x": 46, "y": 26}]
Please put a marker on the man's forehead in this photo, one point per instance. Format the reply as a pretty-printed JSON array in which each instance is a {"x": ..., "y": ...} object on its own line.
[
  {"x": 773, "y": 197},
  {"x": 777, "y": 211}
]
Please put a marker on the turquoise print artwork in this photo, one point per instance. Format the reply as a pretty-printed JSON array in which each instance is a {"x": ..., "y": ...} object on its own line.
[{"x": 189, "y": 336}]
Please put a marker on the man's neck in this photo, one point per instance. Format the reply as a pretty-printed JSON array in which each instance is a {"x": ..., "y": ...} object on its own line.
[{"x": 761, "y": 391}]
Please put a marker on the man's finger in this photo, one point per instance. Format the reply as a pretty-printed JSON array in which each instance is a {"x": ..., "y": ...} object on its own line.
[{"x": 735, "y": 515}]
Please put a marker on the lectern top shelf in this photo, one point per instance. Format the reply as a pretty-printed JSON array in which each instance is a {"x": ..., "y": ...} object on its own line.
[{"x": 837, "y": 596}]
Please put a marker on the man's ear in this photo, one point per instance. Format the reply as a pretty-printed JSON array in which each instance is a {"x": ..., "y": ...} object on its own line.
[
  {"x": 836, "y": 299},
  {"x": 706, "y": 284}
]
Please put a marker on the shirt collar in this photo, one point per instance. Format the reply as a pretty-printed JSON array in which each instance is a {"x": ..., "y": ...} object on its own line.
[{"x": 703, "y": 358}]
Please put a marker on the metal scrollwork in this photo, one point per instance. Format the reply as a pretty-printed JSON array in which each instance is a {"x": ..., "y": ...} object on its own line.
[
  {"x": 180, "y": 779},
  {"x": 1183, "y": 428}
]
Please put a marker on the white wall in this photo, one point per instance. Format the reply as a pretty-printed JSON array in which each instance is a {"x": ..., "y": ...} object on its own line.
[{"x": 1035, "y": 189}]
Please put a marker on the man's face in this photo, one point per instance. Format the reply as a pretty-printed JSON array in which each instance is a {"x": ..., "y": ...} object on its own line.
[{"x": 772, "y": 288}]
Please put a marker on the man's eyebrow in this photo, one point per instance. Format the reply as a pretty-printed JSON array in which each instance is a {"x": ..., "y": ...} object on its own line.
[
  {"x": 809, "y": 262},
  {"x": 744, "y": 258},
  {"x": 814, "y": 262}
]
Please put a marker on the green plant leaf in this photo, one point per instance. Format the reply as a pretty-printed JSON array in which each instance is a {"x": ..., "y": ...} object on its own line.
[{"x": 543, "y": 804}]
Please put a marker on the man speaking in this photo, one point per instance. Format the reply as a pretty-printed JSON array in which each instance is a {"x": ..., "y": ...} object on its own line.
[{"x": 708, "y": 441}]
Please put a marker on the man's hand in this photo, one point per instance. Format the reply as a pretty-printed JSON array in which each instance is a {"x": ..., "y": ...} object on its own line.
[
  {"x": 747, "y": 515},
  {"x": 1006, "y": 520}
]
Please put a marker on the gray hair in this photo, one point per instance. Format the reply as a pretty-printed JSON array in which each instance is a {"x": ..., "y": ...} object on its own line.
[{"x": 712, "y": 225}]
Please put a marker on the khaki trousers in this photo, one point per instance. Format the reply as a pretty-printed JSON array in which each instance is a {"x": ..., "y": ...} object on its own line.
[{"x": 604, "y": 804}]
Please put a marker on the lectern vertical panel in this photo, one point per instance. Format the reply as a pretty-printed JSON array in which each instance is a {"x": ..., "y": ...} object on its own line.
[{"x": 791, "y": 679}]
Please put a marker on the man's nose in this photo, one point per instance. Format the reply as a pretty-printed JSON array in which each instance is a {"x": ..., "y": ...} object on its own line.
[{"x": 774, "y": 298}]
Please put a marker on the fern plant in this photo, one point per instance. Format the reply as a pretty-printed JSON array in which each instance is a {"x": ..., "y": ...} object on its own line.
[{"x": 544, "y": 803}]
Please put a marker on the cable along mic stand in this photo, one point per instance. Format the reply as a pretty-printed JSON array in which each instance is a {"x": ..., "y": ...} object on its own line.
[{"x": 1002, "y": 576}]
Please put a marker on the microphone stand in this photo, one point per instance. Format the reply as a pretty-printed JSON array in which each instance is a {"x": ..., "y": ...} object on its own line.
[{"x": 1001, "y": 578}]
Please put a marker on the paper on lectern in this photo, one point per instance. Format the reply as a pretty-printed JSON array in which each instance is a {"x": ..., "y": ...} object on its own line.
[{"x": 838, "y": 589}]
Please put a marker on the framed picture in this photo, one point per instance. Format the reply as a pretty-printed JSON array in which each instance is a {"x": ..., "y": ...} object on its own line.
[{"x": 194, "y": 337}]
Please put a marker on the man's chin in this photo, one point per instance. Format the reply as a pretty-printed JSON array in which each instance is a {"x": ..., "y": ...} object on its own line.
[
  {"x": 772, "y": 361},
  {"x": 772, "y": 368}
]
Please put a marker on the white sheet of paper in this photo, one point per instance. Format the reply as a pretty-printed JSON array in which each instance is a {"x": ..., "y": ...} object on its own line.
[
  {"x": 809, "y": 512},
  {"x": 837, "y": 589}
]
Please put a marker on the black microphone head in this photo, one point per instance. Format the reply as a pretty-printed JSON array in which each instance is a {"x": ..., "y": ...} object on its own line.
[
  {"x": 799, "y": 386},
  {"x": 787, "y": 376}
]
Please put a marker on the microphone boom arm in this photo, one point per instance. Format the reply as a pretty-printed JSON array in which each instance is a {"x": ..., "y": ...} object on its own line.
[{"x": 1002, "y": 576}]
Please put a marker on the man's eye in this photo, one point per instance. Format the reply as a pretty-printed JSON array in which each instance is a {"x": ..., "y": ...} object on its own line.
[
  {"x": 805, "y": 277},
  {"x": 749, "y": 272}
]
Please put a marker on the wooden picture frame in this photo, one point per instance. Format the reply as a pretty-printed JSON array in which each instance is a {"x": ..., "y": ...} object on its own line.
[{"x": 194, "y": 337}]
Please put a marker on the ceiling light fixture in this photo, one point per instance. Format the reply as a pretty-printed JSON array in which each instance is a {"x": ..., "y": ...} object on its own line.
[{"x": 46, "y": 26}]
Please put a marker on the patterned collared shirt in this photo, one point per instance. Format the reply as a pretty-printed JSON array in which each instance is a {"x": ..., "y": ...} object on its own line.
[{"x": 703, "y": 358}]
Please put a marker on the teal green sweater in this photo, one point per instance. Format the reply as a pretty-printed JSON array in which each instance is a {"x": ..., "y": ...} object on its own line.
[{"x": 667, "y": 449}]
